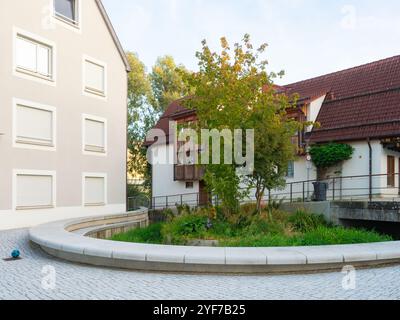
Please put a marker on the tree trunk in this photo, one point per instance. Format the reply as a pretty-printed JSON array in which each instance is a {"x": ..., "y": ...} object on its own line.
[
  {"x": 321, "y": 173},
  {"x": 269, "y": 205},
  {"x": 259, "y": 196}
]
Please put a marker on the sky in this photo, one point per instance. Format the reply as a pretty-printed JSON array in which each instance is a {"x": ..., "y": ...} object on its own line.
[{"x": 306, "y": 38}]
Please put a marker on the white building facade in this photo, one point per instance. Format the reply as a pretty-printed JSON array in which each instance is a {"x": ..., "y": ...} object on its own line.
[
  {"x": 358, "y": 106},
  {"x": 63, "y": 100}
]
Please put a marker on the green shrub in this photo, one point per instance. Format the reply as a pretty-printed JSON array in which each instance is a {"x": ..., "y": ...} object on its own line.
[
  {"x": 151, "y": 234},
  {"x": 339, "y": 235},
  {"x": 260, "y": 226},
  {"x": 248, "y": 209},
  {"x": 183, "y": 209},
  {"x": 299, "y": 229},
  {"x": 303, "y": 221},
  {"x": 184, "y": 227}
]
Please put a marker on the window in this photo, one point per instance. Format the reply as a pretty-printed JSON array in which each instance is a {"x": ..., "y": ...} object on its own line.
[
  {"x": 34, "y": 190},
  {"x": 189, "y": 185},
  {"x": 34, "y": 125},
  {"x": 94, "y": 77},
  {"x": 94, "y": 134},
  {"x": 391, "y": 172},
  {"x": 94, "y": 189},
  {"x": 290, "y": 170},
  {"x": 67, "y": 10},
  {"x": 33, "y": 57}
]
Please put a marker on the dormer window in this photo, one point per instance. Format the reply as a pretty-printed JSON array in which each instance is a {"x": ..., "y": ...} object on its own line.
[{"x": 67, "y": 10}]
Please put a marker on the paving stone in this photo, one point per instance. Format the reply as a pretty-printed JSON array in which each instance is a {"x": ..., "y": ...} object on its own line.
[{"x": 23, "y": 280}]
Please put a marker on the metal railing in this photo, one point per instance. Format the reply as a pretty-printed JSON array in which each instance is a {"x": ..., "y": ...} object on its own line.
[
  {"x": 135, "y": 203},
  {"x": 349, "y": 188}
]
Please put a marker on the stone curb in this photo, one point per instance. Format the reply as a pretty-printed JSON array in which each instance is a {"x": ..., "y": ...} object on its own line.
[{"x": 56, "y": 240}]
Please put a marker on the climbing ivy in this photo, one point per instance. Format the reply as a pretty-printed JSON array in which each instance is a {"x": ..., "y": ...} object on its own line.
[{"x": 328, "y": 155}]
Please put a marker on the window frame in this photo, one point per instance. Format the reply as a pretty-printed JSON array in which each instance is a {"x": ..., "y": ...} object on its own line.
[
  {"x": 32, "y": 143},
  {"x": 189, "y": 185},
  {"x": 92, "y": 152},
  {"x": 75, "y": 25},
  {"x": 91, "y": 92},
  {"x": 290, "y": 176},
  {"x": 94, "y": 175},
  {"x": 26, "y": 73},
  {"x": 38, "y": 173}
]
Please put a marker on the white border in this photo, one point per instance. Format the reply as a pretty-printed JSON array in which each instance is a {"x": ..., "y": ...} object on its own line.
[
  {"x": 60, "y": 21},
  {"x": 98, "y": 119},
  {"x": 34, "y": 37},
  {"x": 102, "y": 64},
  {"x": 38, "y": 106},
  {"x": 94, "y": 175},
  {"x": 17, "y": 172}
]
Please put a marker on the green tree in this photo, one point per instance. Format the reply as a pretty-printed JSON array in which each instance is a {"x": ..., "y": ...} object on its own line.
[
  {"x": 273, "y": 145},
  {"x": 148, "y": 97},
  {"x": 167, "y": 83},
  {"x": 141, "y": 115},
  {"x": 229, "y": 94}
]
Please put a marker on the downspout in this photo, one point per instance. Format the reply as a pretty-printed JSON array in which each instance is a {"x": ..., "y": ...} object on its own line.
[{"x": 370, "y": 169}]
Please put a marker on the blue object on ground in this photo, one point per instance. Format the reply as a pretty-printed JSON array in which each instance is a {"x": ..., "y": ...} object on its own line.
[{"x": 15, "y": 254}]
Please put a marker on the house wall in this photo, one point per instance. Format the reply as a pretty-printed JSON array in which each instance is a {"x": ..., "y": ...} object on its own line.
[
  {"x": 348, "y": 188},
  {"x": 313, "y": 110},
  {"x": 66, "y": 95},
  {"x": 163, "y": 183}
]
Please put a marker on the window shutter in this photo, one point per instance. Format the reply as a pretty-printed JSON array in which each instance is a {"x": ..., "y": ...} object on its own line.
[
  {"x": 34, "y": 191},
  {"x": 34, "y": 124},
  {"x": 94, "y": 135},
  {"x": 94, "y": 191},
  {"x": 94, "y": 77}
]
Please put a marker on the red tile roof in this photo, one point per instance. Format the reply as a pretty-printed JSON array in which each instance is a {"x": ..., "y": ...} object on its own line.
[
  {"x": 363, "y": 102},
  {"x": 173, "y": 110}
]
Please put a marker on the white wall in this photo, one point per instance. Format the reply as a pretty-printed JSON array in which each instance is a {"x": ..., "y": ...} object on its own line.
[
  {"x": 349, "y": 188},
  {"x": 66, "y": 96},
  {"x": 29, "y": 218},
  {"x": 313, "y": 110},
  {"x": 163, "y": 180}
]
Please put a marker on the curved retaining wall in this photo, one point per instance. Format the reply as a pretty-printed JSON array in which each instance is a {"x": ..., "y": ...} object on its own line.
[{"x": 68, "y": 240}]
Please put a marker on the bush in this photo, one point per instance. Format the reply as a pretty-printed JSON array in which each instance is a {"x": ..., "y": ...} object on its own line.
[
  {"x": 299, "y": 229},
  {"x": 303, "y": 221},
  {"x": 151, "y": 234},
  {"x": 184, "y": 227},
  {"x": 339, "y": 235},
  {"x": 263, "y": 226}
]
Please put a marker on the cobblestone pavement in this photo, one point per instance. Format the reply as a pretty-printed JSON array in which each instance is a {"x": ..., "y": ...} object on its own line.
[{"x": 23, "y": 279}]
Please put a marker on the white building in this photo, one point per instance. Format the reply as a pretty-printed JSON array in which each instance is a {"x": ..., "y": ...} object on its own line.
[
  {"x": 359, "y": 106},
  {"x": 63, "y": 80}
]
